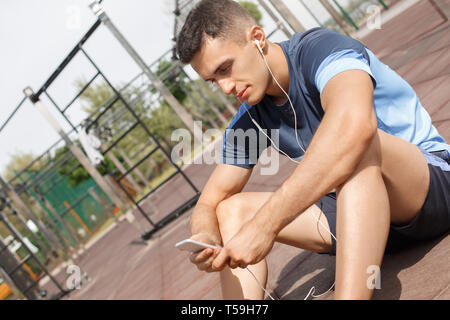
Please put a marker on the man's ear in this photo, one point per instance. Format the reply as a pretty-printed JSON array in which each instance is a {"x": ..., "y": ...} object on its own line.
[{"x": 257, "y": 33}]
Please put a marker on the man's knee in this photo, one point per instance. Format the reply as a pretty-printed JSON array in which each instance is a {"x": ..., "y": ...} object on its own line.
[
  {"x": 231, "y": 209},
  {"x": 372, "y": 155}
]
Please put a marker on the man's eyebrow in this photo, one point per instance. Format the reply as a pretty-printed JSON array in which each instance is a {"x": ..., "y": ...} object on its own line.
[{"x": 220, "y": 66}]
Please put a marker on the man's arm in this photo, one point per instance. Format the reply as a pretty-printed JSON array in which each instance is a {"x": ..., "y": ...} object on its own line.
[
  {"x": 225, "y": 181},
  {"x": 335, "y": 151}
]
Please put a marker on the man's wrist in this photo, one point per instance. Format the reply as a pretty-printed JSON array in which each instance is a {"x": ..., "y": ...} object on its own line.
[
  {"x": 267, "y": 219},
  {"x": 275, "y": 214}
]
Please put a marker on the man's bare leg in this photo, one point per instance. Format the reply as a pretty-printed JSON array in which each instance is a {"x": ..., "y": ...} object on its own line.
[
  {"x": 304, "y": 232},
  {"x": 389, "y": 185},
  {"x": 363, "y": 219}
]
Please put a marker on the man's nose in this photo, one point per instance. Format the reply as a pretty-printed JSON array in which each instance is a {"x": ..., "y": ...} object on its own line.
[{"x": 227, "y": 85}]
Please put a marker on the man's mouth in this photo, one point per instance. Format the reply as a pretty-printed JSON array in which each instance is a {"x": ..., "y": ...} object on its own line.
[{"x": 241, "y": 95}]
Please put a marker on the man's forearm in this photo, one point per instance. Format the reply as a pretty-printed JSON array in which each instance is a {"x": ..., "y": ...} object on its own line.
[
  {"x": 330, "y": 160},
  {"x": 204, "y": 220}
]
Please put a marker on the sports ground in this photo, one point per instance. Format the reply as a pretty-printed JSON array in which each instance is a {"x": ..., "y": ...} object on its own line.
[{"x": 415, "y": 43}]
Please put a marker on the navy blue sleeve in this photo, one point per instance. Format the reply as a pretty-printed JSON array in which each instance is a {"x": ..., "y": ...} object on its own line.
[
  {"x": 241, "y": 142},
  {"x": 326, "y": 53}
]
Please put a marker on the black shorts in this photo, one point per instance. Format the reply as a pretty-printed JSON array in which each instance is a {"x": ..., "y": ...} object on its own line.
[{"x": 433, "y": 219}]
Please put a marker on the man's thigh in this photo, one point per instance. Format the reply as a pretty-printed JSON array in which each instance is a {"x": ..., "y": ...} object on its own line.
[
  {"x": 406, "y": 176},
  {"x": 304, "y": 232}
]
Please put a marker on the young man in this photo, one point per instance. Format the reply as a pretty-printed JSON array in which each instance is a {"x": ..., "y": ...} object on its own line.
[{"x": 366, "y": 136}]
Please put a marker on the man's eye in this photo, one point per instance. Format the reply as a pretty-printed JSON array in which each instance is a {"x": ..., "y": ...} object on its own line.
[{"x": 224, "y": 70}]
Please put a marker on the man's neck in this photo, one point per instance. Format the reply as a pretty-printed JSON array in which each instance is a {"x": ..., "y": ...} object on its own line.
[{"x": 280, "y": 69}]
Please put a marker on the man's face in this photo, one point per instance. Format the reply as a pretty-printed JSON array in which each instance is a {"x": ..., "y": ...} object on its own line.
[{"x": 237, "y": 68}]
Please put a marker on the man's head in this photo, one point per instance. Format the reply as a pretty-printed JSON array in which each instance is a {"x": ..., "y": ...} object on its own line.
[{"x": 217, "y": 40}]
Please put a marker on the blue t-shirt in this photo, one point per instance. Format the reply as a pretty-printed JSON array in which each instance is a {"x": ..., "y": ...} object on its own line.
[{"x": 314, "y": 57}]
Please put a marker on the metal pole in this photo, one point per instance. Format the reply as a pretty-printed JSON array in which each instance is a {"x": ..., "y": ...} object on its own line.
[
  {"x": 346, "y": 15},
  {"x": 274, "y": 17},
  {"x": 311, "y": 13},
  {"x": 65, "y": 243},
  {"x": 12, "y": 114},
  {"x": 8, "y": 261},
  {"x": 62, "y": 245},
  {"x": 33, "y": 235},
  {"x": 123, "y": 170},
  {"x": 75, "y": 149},
  {"x": 130, "y": 163},
  {"x": 287, "y": 15},
  {"x": 70, "y": 231},
  {"x": 206, "y": 115},
  {"x": 336, "y": 16},
  {"x": 49, "y": 221},
  {"x": 205, "y": 98},
  {"x": 442, "y": 7},
  {"x": 139, "y": 121},
  {"x": 209, "y": 103},
  {"x": 12, "y": 285},
  {"x": 43, "y": 268},
  {"x": 23, "y": 208},
  {"x": 96, "y": 197},
  {"x": 139, "y": 174},
  {"x": 385, "y": 6},
  {"x": 175, "y": 28},
  {"x": 157, "y": 83}
]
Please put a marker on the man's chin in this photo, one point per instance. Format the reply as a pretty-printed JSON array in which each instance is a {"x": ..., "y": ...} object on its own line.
[{"x": 254, "y": 101}]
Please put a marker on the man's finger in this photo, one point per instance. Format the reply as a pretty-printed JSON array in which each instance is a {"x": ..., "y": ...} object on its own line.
[
  {"x": 233, "y": 264},
  {"x": 201, "y": 256},
  {"x": 206, "y": 265},
  {"x": 221, "y": 260}
]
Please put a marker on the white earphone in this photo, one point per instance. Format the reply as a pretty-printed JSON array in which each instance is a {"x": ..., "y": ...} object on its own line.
[
  {"x": 258, "y": 45},
  {"x": 256, "y": 42}
]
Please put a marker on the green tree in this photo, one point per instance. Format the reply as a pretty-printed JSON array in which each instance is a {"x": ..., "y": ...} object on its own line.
[
  {"x": 77, "y": 174},
  {"x": 172, "y": 78},
  {"x": 20, "y": 161},
  {"x": 163, "y": 119},
  {"x": 253, "y": 9},
  {"x": 16, "y": 165},
  {"x": 158, "y": 118},
  {"x": 100, "y": 95}
]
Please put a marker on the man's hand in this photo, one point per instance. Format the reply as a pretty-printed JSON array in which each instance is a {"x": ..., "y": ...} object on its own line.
[
  {"x": 204, "y": 259},
  {"x": 249, "y": 246},
  {"x": 224, "y": 182}
]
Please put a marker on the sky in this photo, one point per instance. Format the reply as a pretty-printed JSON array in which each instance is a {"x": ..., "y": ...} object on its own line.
[{"x": 35, "y": 36}]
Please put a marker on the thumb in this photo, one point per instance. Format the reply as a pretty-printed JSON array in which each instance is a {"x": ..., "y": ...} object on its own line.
[{"x": 220, "y": 261}]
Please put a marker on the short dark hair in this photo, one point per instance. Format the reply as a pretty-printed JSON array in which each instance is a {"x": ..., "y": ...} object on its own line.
[{"x": 213, "y": 18}]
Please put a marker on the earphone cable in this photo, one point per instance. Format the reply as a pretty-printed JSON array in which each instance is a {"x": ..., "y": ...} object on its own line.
[
  {"x": 289, "y": 99},
  {"x": 313, "y": 289}
]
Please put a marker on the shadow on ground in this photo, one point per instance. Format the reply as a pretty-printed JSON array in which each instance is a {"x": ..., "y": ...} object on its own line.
[{"x": 320, "y": 270}]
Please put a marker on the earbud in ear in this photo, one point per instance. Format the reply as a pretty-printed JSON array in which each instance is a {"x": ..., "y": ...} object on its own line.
[{"x": 257, "y": 44}]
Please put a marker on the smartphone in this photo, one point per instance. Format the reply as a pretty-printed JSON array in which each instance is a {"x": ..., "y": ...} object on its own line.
[{"x": 194, "y": 246}]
